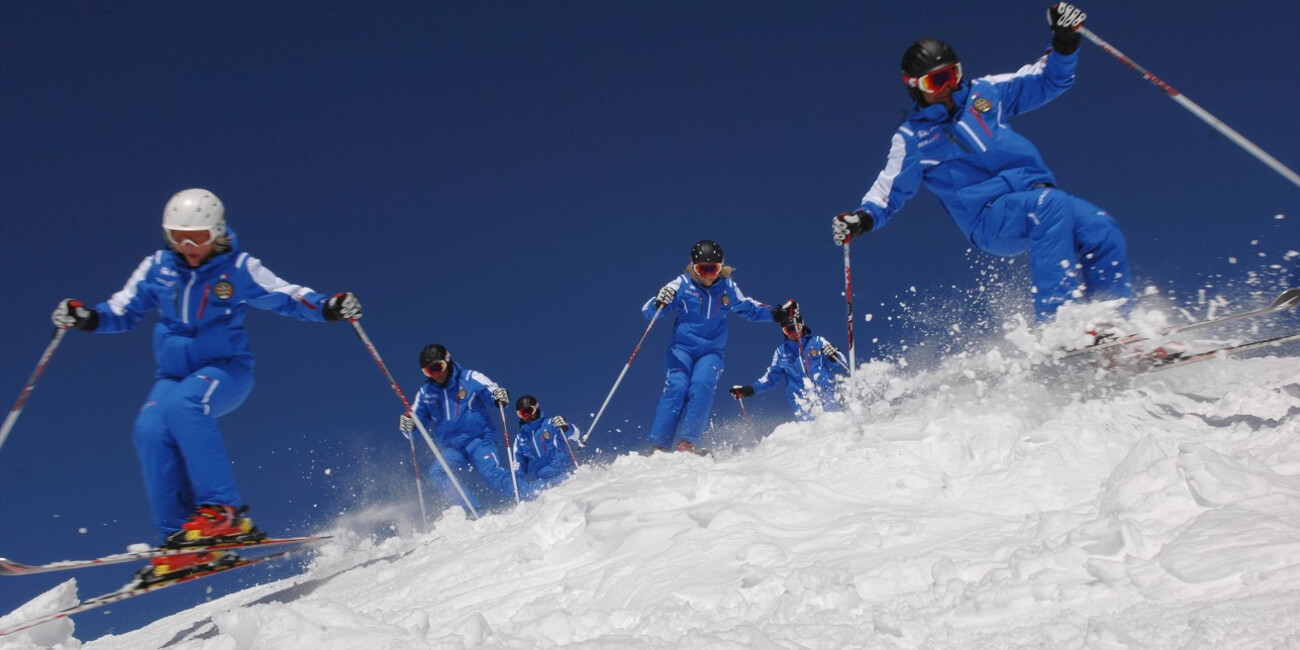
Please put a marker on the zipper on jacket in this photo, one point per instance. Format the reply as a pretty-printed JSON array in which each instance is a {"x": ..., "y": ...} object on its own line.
[
  {"x": 185, "y": 301},
  {"x": 203, "y": 303},
  {"x": 957, "y": 140}
]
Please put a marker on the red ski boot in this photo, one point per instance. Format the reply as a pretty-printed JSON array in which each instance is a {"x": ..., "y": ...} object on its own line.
[{"x": 215, "y": 524}]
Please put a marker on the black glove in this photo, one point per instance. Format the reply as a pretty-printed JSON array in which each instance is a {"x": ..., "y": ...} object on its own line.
[
  {"x": 1065, "y": 19},
  {"x": 342, "y": 306},
  {"x": 406, "y": 424},
  {"x": 847, "y": 225},
  {"x": 742, "y": 391},
  {"x": 788, "y": 311},
  {"x": 71, "y": 313},
  {"x": 665, "y": 295},
  {"x": 559, "y": 423},
  {"x": 500, "y": 396}
]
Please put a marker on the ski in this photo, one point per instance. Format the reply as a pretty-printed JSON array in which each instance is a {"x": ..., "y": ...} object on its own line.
[
  {"x": 11, "y": 568},
  {"x": 1220, "y": 352},
  {"x": 134, "y": 589},
  {"x": 1288, "y": 299}
]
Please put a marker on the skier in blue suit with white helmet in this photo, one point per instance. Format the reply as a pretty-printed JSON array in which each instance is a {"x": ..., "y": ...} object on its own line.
[
  {"x": 701, "y": 298},
  {"x": 201, "y": 286},
  {"x": 991, "y": 180},
  {"x": 460, "y": 408},
  {"x": 805, "y": 363}
]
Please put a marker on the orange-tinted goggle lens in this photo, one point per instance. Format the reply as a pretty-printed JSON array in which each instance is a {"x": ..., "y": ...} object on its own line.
[
  {"x": 708, "y": 269},
  {"x": 527, "y": 412},
  {"x": 933, "y": 82},
  {"x": 434, "y": 368}
]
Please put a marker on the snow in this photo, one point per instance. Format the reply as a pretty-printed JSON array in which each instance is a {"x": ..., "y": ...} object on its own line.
[{"x": 1035, "y": 510}]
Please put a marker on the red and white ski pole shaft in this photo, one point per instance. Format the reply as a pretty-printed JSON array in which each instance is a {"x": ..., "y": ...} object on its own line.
[
  {"x": 582, "y": 441},
  {"x": 510, "y": 452},
  {"x": 31, "y": 383},
  {"x": 1196, "y": 110},
  {"x": 361, "y": 333},
  {"x": 743, "y": 410},
  {"x": 848, "y": 302}
]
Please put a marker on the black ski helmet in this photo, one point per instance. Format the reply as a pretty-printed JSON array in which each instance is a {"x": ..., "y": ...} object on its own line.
[
  {"x": 706, "y": 251},
  {"x": 926, "y": 55},
  {"x": 525, "y": 402},
  {"x": 433, "y": 352}
]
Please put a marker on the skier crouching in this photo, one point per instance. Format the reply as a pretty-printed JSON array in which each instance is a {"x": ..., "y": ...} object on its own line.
[
  {"x": 456, "y": 405},
  {"x": 201, "y": 285},
  {"x": 543, "y": 454},
  {"x": 957, "y": 141},
  {"x": 807, "y": 364}
]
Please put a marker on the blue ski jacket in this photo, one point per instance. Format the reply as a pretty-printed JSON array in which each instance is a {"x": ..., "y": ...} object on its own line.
[
  {"x": 201, "y": 311},
  {"x": 540, "y": 451},
  {"x": 459, "y": 412},
  {"x": 701, "y": 326},
  {"x": 790, "y": 369},
  {"x": 971, "y": 157}
]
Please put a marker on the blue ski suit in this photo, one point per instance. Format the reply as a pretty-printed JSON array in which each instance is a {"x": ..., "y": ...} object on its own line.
[
  {"x": 793, "y": 364},
  {"x": 694, "y": 360},
  {"x": 205, "y": 368},
  {"x": 541, "y": 453},
  {"x": 996, "y": 187},
  {"x": 460, "y": 416}
]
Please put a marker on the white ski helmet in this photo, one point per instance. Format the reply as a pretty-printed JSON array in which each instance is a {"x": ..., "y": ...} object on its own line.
[{"x": 194, "y": 209}]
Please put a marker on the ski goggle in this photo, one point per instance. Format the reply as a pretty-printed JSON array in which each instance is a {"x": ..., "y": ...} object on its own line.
[
  {"x": 935, "y": 81},
  {"x": 179, "y": 238},
  {"x": 527, "y": 412},
  {"x": 792, "y": 328},
  {"x": 435, "y": 368},
  {"x": 708, "y": 269}
]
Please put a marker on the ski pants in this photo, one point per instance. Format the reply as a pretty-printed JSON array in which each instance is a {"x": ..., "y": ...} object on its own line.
[
  {"x": 182, "y": 456},
  {"x": 1070, "y": 242},
  {"x": 687, "y": 398},
  {"x": 477, "y": 458}
]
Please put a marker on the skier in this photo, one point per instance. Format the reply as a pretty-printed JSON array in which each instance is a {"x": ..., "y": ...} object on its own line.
[
  {"x": 991, "y": 180},
  {"x": 201, "y": 285},
  {"x": 701, "y": 297},
  {"x": 457, "y": 406},
  {"x": 542, "y": 450},
  {"x": 806, "y": 363}
]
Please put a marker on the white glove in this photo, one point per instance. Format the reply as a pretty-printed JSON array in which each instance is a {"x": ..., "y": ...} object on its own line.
[
  {"x": 830, "y": 352},
  {"x": 500, "y": 396},
  {"x": 407, "y": 424},
  {"x": 342, "y": 306},
  {"x": 1063, "y": 15},
  {"x": 559, "y": 423},
  {"x": 71, "y": 313},
  {"x": 666, "y": 295}
]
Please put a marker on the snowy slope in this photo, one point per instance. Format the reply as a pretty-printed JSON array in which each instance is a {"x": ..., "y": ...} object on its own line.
[{"x": 1038, "y": 510}]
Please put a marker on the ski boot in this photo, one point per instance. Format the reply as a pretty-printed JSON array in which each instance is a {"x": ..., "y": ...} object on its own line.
[
  {"x": 212, "y": 524},
  {"x": 172, "y": 567},
  {"x": 688, "y": 446}
]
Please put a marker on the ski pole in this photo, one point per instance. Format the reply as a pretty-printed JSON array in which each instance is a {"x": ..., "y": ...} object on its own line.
[
  {"x": 582, "y": 442},
  {"x": 1196, "y": 110},
  {"x": 510, "y": 452},
  {"x": 743, "y": 410},
  {"x": 361, "y": 333},
  {"x": 31, "y": 383},
  {"x": 848, "y": 302}
]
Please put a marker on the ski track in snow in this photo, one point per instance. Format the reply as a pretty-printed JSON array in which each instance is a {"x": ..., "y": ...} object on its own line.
[{"x": 1027, "y": 511}]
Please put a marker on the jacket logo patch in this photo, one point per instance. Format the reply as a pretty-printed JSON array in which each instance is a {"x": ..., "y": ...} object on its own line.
[
  {"x": 546, "y": 435},
  {"x": 814, "y": 352},
  {"x": 726, "y": 300},
  {"x": 460, "y": 394},
  {"x": 223, "y": 290},
  {"x": 982, "y": 105}
]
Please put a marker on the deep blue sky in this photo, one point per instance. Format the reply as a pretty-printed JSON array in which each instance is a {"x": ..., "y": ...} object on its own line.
[{"x": 514, "y": 179}]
